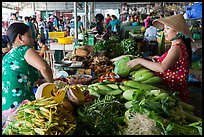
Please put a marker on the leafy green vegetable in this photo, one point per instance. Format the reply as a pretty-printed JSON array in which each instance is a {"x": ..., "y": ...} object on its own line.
[
  {"x": 129, "y": 47},
  {"x": 103, "y": 116}
]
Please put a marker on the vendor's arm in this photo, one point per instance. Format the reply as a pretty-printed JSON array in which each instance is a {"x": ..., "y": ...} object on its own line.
[
  {"x": 5, "y": 50},
  {"x": 39, "y": 63},
  {"x": 171, "y": 58},
  {"x": 108, "y": 25}
]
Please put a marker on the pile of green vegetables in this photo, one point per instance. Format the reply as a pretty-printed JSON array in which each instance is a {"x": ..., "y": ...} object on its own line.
[
  {"x": 165, "y": 112},
  {"x": 116, "y": 46},
  {"x": 103, "y": 116}
]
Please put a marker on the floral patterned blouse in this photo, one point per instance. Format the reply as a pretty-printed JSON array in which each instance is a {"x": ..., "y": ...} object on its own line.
[
  {"x": 18, "y": 78},
  {"x": 176, "y": 77}
]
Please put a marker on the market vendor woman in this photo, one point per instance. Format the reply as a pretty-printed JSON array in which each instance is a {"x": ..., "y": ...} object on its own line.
[
  {"x": 172, "y": 66},
  {"x": 20, "y": 67}
]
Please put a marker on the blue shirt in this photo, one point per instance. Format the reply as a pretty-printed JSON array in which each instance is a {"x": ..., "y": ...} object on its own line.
[
  {"x": 114, "y": 25},
  {"x": 55, "y": 23},
  {"x": 151, "y": 33}
]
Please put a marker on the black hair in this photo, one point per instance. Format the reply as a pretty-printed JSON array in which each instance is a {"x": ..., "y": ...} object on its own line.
[
  {"x": 99, "y": 17},
  {"x": 33, "y": 19},
  {"x": 187, "y": 42},
  {"x": 13, "y": 14},
  {"x": 113, "y": 16},
  {"x": 150, "y": 22},
  {"x": 78, "y": 18},
  {"x": 27, "y": 18},
  {"x": 99, "y": 27},
  {"x": 15, "y": 29},
  {"x": 41, "y": 40},
  {"x": 4, "y": 41}
]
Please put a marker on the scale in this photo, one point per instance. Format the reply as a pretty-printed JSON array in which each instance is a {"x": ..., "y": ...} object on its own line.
[{"x": 71, "y": 68}]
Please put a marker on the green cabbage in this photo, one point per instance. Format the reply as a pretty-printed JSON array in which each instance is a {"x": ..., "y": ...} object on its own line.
[{"x": 121, "y": 67}]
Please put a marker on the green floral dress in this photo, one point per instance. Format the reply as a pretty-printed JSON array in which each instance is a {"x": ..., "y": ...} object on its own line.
[{"x": 18, "y": 78}]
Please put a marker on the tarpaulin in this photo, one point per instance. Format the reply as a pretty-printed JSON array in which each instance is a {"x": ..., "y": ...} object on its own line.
[{"x": 194, "y": 11}]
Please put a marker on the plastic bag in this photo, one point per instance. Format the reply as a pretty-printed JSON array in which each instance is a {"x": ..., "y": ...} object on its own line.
[{"x": 194, "y": 11}]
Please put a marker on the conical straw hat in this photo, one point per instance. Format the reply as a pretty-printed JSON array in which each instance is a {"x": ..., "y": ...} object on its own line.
[{"x": 176, "y": 22}]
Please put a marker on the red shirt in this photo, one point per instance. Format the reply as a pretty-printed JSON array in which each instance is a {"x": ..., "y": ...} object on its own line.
[
  {"x": 176, "y": 77},
  {"x": 108, "y": 20}
]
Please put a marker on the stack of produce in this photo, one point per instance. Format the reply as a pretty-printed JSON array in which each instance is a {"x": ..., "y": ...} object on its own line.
[
  {"x": 165, "y": 112},
  {"x": 104, "y": 88},
  {"x": 116, "y": 46},
  {"x": 42, "y": 117}
]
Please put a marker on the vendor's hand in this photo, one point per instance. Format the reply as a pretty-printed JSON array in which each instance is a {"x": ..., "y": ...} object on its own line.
[
  {"x": 134, "y": 62},
  {"x": 153, "y": 58}
]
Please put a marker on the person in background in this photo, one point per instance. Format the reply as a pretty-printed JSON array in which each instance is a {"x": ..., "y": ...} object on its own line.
[
  {"x": 4, "y": 28},
  {"x": 115, "y": 24},
  {"x": 72, "y": 27},
  {"x": 99, "y": 23},
  {"x": 67, "y": 26},
  {"x": 20, "y": 67},
  {"x": 173, "y": 65},
  {"x": 80, "y": 25},
  {"x": 35, "y": 24},
  {"x": 43, "y": 47},
  {"x": 55, "y": 23},
  {"x": 28, "y": 22},
  {"x": 101, "y": 30},
  {"x": 5, "y": 46},
  {"x": 161, "y": 39},
  {"x": 135, "y": 18},
  {"x": 151, "y": 32},
  {"x": 13, "y": 18},
  {"x": 42, "y": 29},
  {"x": 61, "y": 23},
  {"x": 108, "y": 19},
  {"x": 31, "y": 25},
  {"x": 147, "y": 20},
  {"x": 20, "y": 18}
]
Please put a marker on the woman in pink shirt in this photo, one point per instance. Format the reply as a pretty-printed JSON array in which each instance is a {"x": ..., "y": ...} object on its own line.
[{"x": 146, "y": 21}]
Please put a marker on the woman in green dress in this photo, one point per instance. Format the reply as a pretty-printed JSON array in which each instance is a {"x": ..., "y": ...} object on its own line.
[{"x": 20, "y": 67}]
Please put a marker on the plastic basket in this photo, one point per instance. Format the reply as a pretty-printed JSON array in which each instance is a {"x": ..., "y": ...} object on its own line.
[
  {"x": 55, "y": 35},
  {"x": 65, "y": 40},
  {"x": 135, "y": 24},
  {"x": 91, "y": 41}
]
